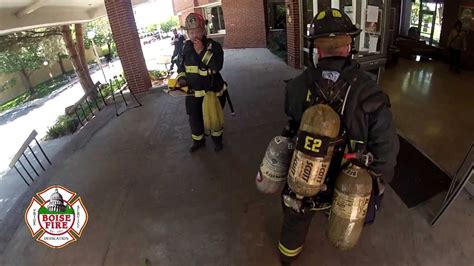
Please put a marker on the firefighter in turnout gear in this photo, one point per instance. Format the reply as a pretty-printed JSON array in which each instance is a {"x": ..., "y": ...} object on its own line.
[
  {"x": 202, "y": 59},
  {"x": 365, "y": 124}
]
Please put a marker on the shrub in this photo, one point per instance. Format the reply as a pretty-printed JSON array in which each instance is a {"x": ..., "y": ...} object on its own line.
[
  {"x": 157, "y": 74},
  {"x": 64, "y": 125}
]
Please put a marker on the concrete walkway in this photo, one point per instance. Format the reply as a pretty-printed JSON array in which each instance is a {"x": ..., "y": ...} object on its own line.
[
  {"x": 148, "y": 198},
  {"x": 40, "y": 114},
  {"x": 17, "y": 123}
]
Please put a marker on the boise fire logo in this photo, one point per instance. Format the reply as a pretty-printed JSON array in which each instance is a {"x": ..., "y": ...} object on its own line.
[{"x": 56, "y": 217}]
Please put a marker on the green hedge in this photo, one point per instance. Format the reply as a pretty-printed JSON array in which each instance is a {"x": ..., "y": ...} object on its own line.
[{"x": 64, "y": 125}]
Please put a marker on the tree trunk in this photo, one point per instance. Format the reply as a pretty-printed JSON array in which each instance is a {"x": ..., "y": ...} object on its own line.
[
  {"x": 61, "y": 64},
  {"x": 109, "y": 48},
  {"x": 81, "y": 51},
  {"x": 25, "y": 79},
  {"x": 84, "y": 77}
]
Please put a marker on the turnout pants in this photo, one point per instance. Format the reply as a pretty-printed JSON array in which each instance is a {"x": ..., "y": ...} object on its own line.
[
  {"x": 174, "y": 61},
  {"x": 293, "y": 233},
  {"x": 196, "y": 122},
  {"x": 454, "y": 59}
]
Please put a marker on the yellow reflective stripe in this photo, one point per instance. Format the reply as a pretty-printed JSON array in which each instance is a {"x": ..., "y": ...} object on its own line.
[
  {"x": 199, "y": 93},
  {"x": 308, "y": 96},
  {"x": 195, "y": 70},
  {"x": 202, "y": 93},
  {"x": 197, "y": 137},
  {"x": 289, "y": 252},
  {"x": 202, "y": 72},
  {"x": 217, "y": 133},
  {"x": 192, "y": 69},
  {"x": 207, "y": 57}
]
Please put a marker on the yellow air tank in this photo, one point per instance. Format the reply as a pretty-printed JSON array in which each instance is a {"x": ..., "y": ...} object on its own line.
[
  {"x": 349, "y": 207},
  {"x": 312, "y": 156}
]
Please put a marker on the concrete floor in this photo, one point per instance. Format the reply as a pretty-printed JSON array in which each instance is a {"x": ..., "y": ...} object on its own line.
[{"x": 148, "y": 198}]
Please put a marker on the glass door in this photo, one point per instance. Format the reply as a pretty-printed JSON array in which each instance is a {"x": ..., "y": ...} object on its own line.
[
  {"x": 427, "y": 16},
  {"x": 426, "y": 26}
]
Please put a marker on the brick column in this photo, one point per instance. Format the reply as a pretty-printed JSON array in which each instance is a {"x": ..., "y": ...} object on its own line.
[
  {"x": 124, "y": 31},
  {"x": 293, "y": 33},
  {"x": 244, "y": 23}
]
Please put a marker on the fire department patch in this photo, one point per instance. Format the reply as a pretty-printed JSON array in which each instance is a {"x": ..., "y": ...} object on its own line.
[{"x": 56, "y": 217}]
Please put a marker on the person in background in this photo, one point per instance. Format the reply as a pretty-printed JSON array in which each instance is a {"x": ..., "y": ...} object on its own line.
[
  {"x": 457, "y": 44},
  {"x": 178, "y": 42}
]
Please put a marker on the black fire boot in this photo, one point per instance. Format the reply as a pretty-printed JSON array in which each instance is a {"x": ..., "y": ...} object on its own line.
[
  {"x": 197, "y": 144},
  {"x": 218, "y": 146}
]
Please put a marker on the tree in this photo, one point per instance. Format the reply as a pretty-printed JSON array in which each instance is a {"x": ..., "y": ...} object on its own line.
[
  {"x": 80, "y": 48},
  {"x": 167, "y": 25},
  {"x": 152, "y": 28},
  {"x": 79, "y": 64},
  {"x": 103, "y": 33},
  {"x": 23, "y": 53},
  {"x": 26, "y": 51},
  {"x": 415, "y": 13}
]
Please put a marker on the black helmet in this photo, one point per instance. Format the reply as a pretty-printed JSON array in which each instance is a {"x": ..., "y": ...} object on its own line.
[{"x": 331, "y": 23}]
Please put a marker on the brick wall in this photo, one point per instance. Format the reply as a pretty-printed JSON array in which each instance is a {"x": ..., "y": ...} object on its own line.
[
  {"x": 124, "y": 31},
  {"x": 205, "y": 2},
  {"x": 293, "y": 33},
  {"x": 180, "y": 5},
  {"x": 183, "y": 14},
  {"x": 244, "y": 23}
]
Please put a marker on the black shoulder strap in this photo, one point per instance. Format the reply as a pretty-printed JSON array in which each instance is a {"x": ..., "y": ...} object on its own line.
[{"x": 318, "y": 95}]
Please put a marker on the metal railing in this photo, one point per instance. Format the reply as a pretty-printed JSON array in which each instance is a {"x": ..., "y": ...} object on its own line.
[
  {"x": 85, "y": 106},
  {"x": 121, "y": 88},
  {"x": 23, "y": 154},
  {"x": 84, "y": 103}
]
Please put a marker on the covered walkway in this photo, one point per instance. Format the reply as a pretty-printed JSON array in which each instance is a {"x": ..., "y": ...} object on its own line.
[{"x": 149, "y": 199}]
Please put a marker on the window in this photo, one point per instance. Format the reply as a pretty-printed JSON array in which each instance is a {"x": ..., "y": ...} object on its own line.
[
  {"x": 215, "y": 16},
  {"x": 427, "y": 17},
  {"x": 277, "y": 16}
]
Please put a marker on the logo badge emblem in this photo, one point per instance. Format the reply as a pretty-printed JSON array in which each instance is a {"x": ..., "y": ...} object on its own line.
[{"x": 56, "y": 217}]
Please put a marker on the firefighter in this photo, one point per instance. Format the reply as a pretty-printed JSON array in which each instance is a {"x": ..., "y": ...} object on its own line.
[
  {"x": 366, "y": 123},
  {"x": 201, "y": 61},
  {"x": 177, "y": 41}
]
